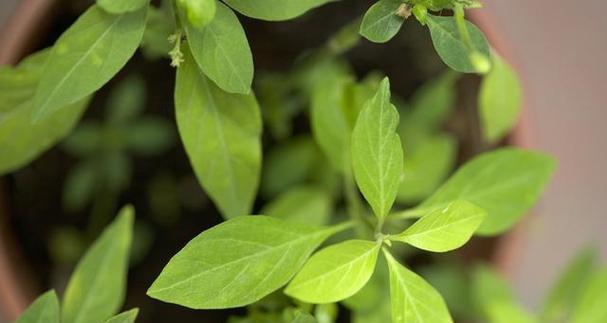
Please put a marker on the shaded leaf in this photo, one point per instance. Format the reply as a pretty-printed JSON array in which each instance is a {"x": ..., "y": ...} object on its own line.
[
  {"x": 45, "y": 309},
  {"x": 274, "y": 10}
]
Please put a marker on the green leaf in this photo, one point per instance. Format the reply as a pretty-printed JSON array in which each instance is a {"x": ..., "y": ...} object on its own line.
[
  {"x": 303, "y": 317},
  {"x": 450, "y": 46},
  {"x": 303, "y": 204},
  {"x": 222, "y": 51},
  {"x": 504, "y": 182},
  {"x": 500, "y": 100},
  {"x": 431, "y": 105},
  {"x": 592, "y": 302},
  {"x": 121, "y": 6},
  {"x": 264, "y": 253},
  {"x": 150, "y": 136},
  {"x": 45, "y": 309},
  {"x": 566, "y": 291},
  {"x": 79, "y": 186},
  {"x": 86, "y": 57},
  {"x": 274, "y": 10},
  {"x": 335, "y": 273},
  {"x": 381, "y": 21},
  {"x": 488, "y": 288},
  {"x": 377, "y": 155},
  {"x": 506, "y": 312},
  {"x": 445, "y": 229},
  {"x": 221, "y": 134},
  {"x": 451, "y": 280},
  {"x": 97, "y": 287},
  {"x": 20, "y": 141},
  {"x": 428, "y": 161},
  {"x": 199, "y": 12},
  {"x": 413, "y": 299},
  {"x": 126, "y": 100},
  {"x": 124, "y": 317}
]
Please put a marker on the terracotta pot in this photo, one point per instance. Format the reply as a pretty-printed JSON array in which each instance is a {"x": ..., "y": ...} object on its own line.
[{"x": 25, "y": 29}]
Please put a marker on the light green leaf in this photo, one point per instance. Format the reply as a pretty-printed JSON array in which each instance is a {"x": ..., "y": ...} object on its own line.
[
  {"x": 199, "y": 12},
  {"x": 326, "y": 313},
  {"x": 377, "y": 155},
  {"x": 97, "y": 287},
  {"x": 303, "y": 204},
  {"x": 381, "y": 21},
  {"x": 566, "y": 291},
  {"x": 159, "y": 27},
  {"x": 20, "y": 141},
  {"x": 428, "y": 161},
  {"x": 303, "y": 317},
  {"x": 222, "y": 51},
  {"x": 445, "y": 229},
  {"x": 124, "y": 317},
  {"x": 221, "y": 134},
  {"x": 500, "y": 100},
  {"x": 274, "y": 10},
  {"x": 45, "y": 309},
  {"x": 506, "y": 312},
  {"x": 488, "y": 288},
  {"x": 450, "y": 46},
  {"x": 335, "y": 273},
  {"x": 87, "y": 56},
  {"x": 413, "y": 299},
  {"x": 591, "y": 306},
  {"x": 264, "y": 253},
  {"x": 431, "y": 105},
  {"x": 504, "y": 182},
  {"x": 121, "y": 6},
  {"x": 373, "y": 295},
  {"x": 450, "y": 279}
]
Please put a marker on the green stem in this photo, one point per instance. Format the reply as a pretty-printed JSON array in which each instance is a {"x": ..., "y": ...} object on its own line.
[{"x": 461, "y": 26}]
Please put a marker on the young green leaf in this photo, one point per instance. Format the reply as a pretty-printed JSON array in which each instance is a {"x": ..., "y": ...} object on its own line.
[
  {"x": 445, "y": 229},
  {"x": 121, "y": 6},
  {"x": 221, "y": 134},
  {"x": 303, "y": 204},
  {"x": 45, "y": 309},
  {"x": 504, "y": 182},
  {"x": 413, "y": 299},
  {"x": 499, "y": 100},
  {"x": 506, "y": 312},
  {"x": 87, "y": 56},
  {"x": 20, "y": 141},
  {"x": 566, "y": 290},
  {"x": 451, "y": 47},
  {"x": 382, "y": 22},
  {"x": 124, "y": 317},
  {"x": 303, "y": 317},
  {"x": 264, "y": 253},
  {"x": 199, "y": 12},
  {"x": 222, "y": 51},
  {"x": 274, "y": 10},
  {"x": 377, "y": 155},
  {"x": 97, "y": 287},
  {"x": 429, "y": 159},
  {"x": 335, "y": 273},
  {"x": 591, "y": 306}
]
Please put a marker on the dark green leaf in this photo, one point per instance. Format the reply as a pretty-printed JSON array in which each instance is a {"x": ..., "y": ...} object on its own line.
[{"x": 381, "y": 21}]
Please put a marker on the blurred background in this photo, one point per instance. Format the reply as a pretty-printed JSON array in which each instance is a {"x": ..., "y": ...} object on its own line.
[{"x": 559, "y": 50}]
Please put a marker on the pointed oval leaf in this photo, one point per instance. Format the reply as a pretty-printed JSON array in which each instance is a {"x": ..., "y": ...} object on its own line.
[
  {"x": 45, "y": 309},
  {"x": 237, "y": 262},
  {"x": 222, "y": 51},
  {"x": 444, "y": 230},
  {"x": 121, "y": 6},
  {"x": 377, "y": 155},
  {"x": 303, "y": 204},
  {"x": 335, "y": 273},
  {"x": 125, "y": 317},
  {"x": 449, "y": 45},
  {"x": 97, "y": 287},
  {"x": 504, "y": 182},
  {"x": 413, "y": 299},
  {"x": 221, "y": 133},
  {"x": 500, "y": 100},
  {"x": 591, "y": 306},
  {"x": 87, "y": 56},
  {"x": 20, "y": 141},
  {"x": 274, "y": 10},
  {"x": 381, "y": 21}
]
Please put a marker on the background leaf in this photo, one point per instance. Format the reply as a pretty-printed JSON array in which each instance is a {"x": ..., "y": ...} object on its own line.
[
  {"x": 121, "y": 6},
  {"x": 87, "y": 56},
  {"x": 444, "y": 229},
  {"x": 274, "y": 9},
  {"x": 222, "y": 51},
  {"x": 592, "y": 303},
  {"x": 97, "y": 287},
  {"x": 199, "y": 12},
  {"x": 377, "y": 155},
  {"x": 381, "y": 22},
  {"x": 335, "y": 273},
  {"x": 303, "y": 204},
  {"x": 125, "y": 317},
  {"x": 45, "y": 309},
  {"x": 264, "y": 253},
  {"x": 221, "y": 134}
]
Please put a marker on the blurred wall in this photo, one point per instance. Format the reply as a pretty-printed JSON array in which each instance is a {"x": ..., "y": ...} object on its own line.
[{"x": 560, "y": 47}]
